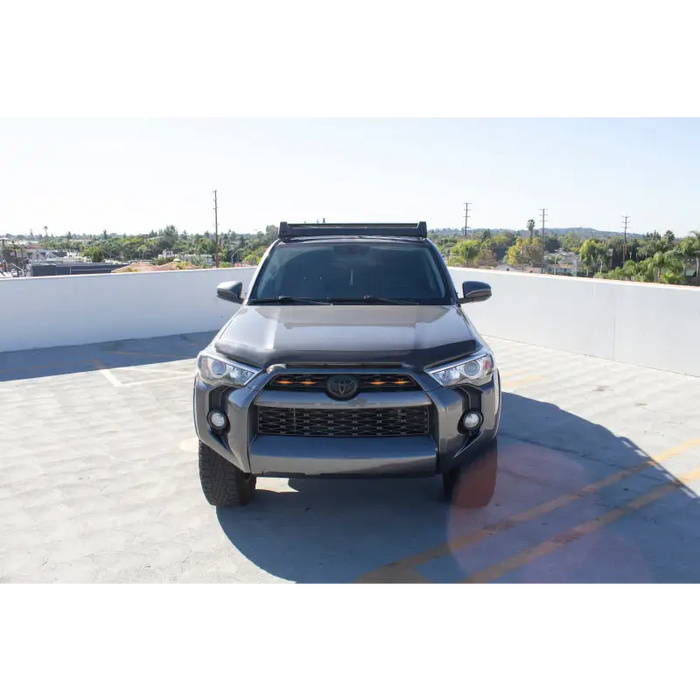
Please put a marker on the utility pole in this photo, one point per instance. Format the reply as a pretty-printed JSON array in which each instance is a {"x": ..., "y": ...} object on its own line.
[
  {"x": 216, "y": 231},
  {"x": 624, "y": 245},
  {"x": 543, "y": 220},
  {"x": 466, "y": 218}
]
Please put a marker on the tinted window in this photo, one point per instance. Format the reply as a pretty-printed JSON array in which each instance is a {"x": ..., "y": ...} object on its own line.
[{"x": 351, "y": 271}]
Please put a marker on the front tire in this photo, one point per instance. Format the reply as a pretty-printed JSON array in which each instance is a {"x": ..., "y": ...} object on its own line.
[
  {"x": 473, "y": 485},
  {"x": 223, "y": 483}
]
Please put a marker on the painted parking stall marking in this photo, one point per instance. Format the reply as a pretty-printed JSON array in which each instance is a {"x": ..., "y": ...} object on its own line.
[{"x": 399, "y": 570}]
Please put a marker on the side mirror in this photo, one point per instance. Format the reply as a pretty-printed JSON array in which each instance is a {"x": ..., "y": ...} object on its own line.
[
  {"x": 475, "y": 291},
  {"x": 230, "y": 291}
]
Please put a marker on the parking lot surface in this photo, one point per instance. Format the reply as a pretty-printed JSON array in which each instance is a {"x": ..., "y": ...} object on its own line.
[{"x": 598, "y": 482}]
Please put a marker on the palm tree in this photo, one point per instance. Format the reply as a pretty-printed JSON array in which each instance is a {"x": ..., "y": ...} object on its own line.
[
  {"x": 531, "y": 227},
  {"x": 689, "y": 247}
]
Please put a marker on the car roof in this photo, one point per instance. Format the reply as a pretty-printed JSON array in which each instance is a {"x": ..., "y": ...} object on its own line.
[
  {"x": 414, "y": 230},
  {"x": 353, "y": 239}
]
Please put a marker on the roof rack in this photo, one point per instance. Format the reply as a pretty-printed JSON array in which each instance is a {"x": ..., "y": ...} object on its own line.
[{"x": 419, "y": 230}]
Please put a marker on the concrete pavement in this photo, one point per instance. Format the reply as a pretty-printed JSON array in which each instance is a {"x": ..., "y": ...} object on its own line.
[{"x": 98, "y": 482}]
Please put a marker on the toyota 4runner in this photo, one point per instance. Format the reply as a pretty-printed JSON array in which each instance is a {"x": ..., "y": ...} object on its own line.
[{"x": 349, "y": 356}]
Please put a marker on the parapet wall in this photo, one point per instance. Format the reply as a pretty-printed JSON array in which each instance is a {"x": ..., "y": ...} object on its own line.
[{"x": 644, "y": 324}]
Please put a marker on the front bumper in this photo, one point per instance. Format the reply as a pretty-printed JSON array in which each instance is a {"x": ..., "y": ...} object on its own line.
[{"x": 444, "y": 448}]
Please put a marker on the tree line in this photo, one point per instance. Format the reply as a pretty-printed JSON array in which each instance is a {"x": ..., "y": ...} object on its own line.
[
  {"x": 166, "y": 244},
  {"x": 650, "y": 258}
]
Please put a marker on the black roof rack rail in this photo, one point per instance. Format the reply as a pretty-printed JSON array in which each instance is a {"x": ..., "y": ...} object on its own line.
[{"x": 416, "y": 230}]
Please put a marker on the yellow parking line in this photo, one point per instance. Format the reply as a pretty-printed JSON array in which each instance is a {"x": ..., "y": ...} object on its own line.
[
  {"x": 520, "y": 382},
  {"x": 575, "y": 533},
  {"x": 398, "y": 570}
]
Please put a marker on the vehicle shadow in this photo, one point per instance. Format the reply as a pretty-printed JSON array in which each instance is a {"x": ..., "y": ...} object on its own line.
[
  {"x": 47, "y": 362},
  {"x": 573, "y": 503}
]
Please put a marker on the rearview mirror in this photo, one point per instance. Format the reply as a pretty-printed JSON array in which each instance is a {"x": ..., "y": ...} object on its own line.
[
  {"x": 475, "y": 291},
  {"x": 230, "y": 291}
]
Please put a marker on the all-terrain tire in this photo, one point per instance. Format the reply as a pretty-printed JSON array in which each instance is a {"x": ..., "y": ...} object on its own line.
[
  {"x": 473, "y": 485},
  {"x": 223, "y": 483}
]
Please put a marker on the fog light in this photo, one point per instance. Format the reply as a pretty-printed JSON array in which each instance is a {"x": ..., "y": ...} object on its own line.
[
  {"x": 217, "y": 420},
  {"x": 471, "y": 420}
]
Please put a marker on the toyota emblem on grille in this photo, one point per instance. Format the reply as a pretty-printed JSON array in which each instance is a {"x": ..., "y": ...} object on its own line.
[{"x": 342, "y": 388}]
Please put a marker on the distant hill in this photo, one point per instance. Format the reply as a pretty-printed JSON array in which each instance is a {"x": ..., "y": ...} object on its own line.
[{"x": 582, "y": 232}]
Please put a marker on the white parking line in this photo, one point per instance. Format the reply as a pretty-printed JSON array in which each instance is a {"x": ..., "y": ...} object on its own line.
[
  {"x": 148, "y": 369},
  {"x": 186, "y": 375},
  {"x": 107, "y": 374}
]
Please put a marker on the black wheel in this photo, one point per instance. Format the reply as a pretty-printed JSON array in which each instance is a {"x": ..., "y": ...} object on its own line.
[
  {"x": 223, "y": 483},
  {"x": 473, "y": 485}
]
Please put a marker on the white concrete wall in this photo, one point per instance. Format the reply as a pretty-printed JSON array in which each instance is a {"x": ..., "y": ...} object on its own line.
[
  {"x": 645, "y": 324},
  {"x": 39, "y": 312},
  {"x": 653, "y": 325}
]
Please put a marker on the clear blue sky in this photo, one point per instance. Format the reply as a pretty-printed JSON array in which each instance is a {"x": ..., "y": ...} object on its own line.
[{"x": 130, "y": 176}]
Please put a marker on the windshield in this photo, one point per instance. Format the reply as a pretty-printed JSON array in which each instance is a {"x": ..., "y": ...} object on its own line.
[{"x": 352, "y": 272}]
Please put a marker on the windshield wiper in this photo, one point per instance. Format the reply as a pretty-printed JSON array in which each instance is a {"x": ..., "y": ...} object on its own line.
[
  {"x": 288, "y": 300},
  {"x": 371, "y": 299}
]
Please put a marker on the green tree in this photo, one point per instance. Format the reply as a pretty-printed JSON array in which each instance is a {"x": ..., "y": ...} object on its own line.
[
  {"x": 95, "y": 253},
  {"x": 525, "y": 252},
  {"x": 531, "y": 228},
  {"x": 650, "y": 245},
  {"x": 633, "y": 249},
  {"x": 486, "y": 258},
  {"x": 689, "y": 247},
  {"x": 465, "y": 252},
  {"x": 552, "y": 244},
  {"x": 204, "y": 246},
  {"x": 593, "y": 255},
  {"x": 571, "y": 243},
  {"x": 672, "y": 271},
  {"x": 168, "y": 237},
  {"x": 504, "y": 240}
]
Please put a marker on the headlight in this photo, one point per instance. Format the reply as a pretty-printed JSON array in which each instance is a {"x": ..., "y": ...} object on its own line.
[
  {"x": 472, "y": 370},
  {"x": 215, "y": 369}
]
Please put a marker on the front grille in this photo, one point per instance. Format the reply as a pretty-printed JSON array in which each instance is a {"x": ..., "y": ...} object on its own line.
[
  {"x": 363, "y": 422},
  {"x": 366, "y": 382}
]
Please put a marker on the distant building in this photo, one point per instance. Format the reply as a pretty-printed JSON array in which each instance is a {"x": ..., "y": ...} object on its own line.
[
  {"x": 71, "y": 268},
  {"x": 560, "y": 269}
]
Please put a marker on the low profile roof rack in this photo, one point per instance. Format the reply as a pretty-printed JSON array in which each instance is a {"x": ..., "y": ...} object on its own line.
[{"x": 419, "y": 230}]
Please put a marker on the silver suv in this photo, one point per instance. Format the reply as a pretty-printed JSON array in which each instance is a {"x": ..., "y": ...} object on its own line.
[{"x": 350, "y": 356}]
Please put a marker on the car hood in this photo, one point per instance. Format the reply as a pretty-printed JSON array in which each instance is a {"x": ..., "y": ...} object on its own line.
[{"x": 412, "y": 336}]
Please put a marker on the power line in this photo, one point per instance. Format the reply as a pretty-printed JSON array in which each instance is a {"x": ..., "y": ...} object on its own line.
[
  {"x": 216, "y": 231},
  {"x": 466, "y": 218},
  {"x": 624, "y": 245}
]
